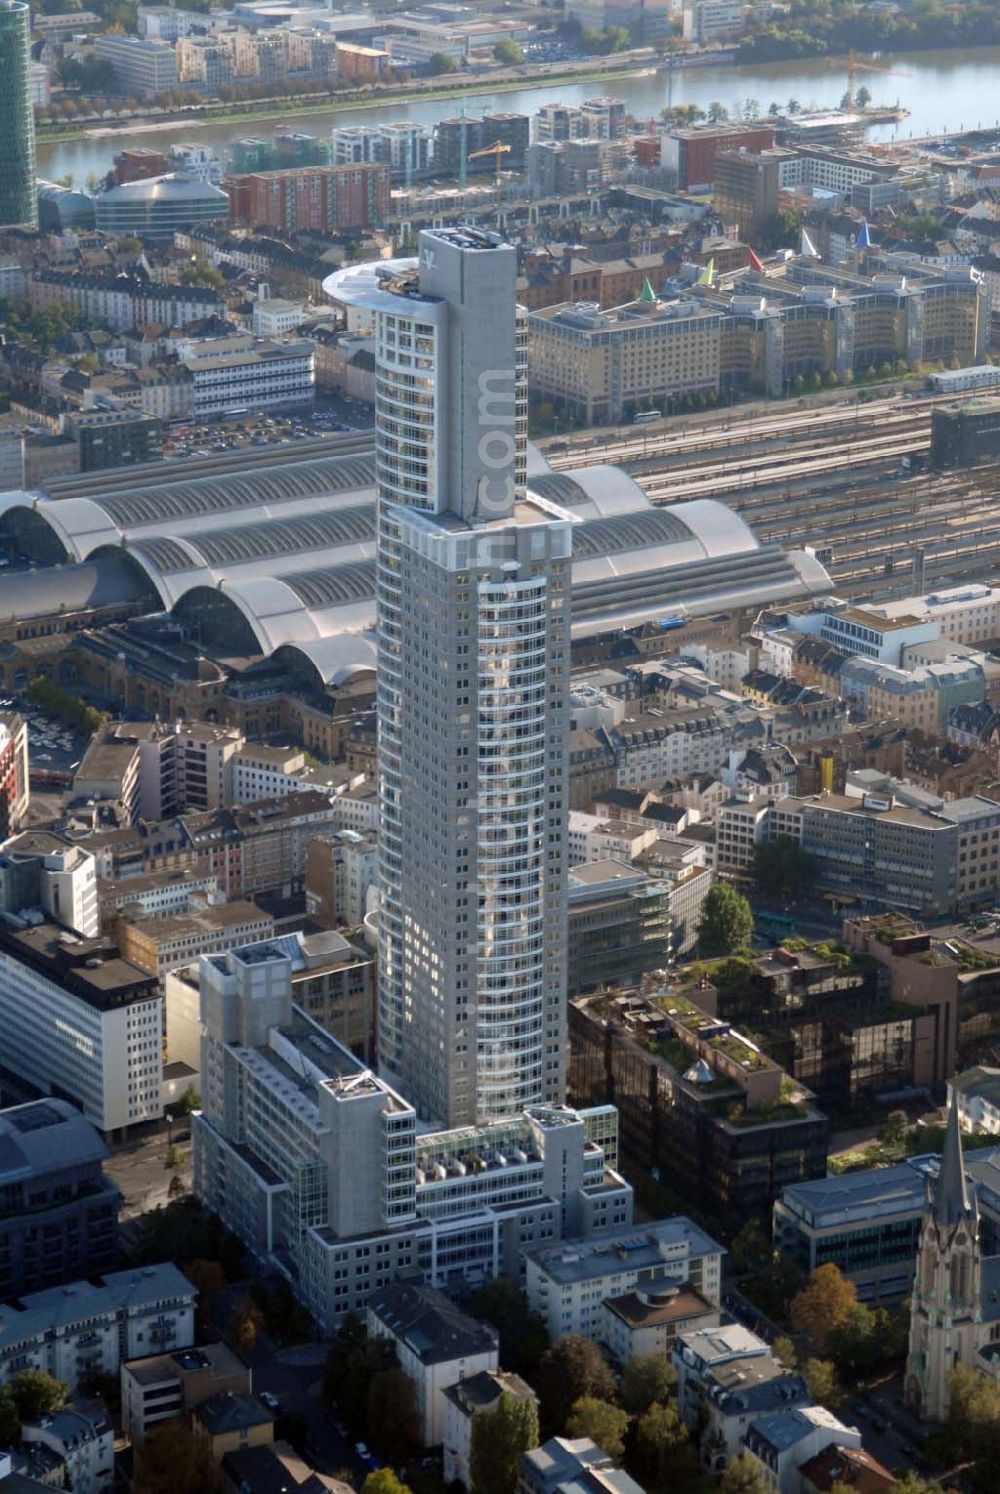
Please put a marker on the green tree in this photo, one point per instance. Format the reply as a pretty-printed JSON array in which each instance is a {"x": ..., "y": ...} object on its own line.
[
  {"x": 384, "y": 1481},
  {"x": 782, "y": 869},
  {"x": 391, "y": 1413},
  {"x": 646, "y": 1379},
  {"x": 726, "y": 921},
  {"x": 203, "y": 272},
  {"x": 10, "y": 1421},
  {"x": 439, "y": 63},
  {"x": 509, "y": 52},
  {"x": 743, "y": 1475},
  {"x": 663, "y": 1448},
  {"x": 823, "y": 1303},
  {"x": 914, "y": 1483},
  {"x": 750, "y": 1249},
  {"x": 821, "y": 1378},
  {"x": 568, "y": 1371},
  {"x": 863, "y": 97},
  {"x": 602, "y": 1422},
  {"x": 501, "y": 1434},
  {"x": 172, "y": 1460},
  {"x": 523, "y": 1336},
  {"x": 37, "y": 1393},
  {"x": 717, "y": 113},
  {"x": 245, "y": 1323},
  {"x": 785, "y": 1352},
  {"x": 894, "y": 1129}
]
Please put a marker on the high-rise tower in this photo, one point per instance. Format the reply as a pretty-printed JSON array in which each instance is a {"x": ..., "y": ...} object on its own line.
[
  {"x": 473, "y": 674},
  {"x": 18, "y": 188}
]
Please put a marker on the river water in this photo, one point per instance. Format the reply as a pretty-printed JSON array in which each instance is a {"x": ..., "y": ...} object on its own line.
[{"x": 943, "y": 91}]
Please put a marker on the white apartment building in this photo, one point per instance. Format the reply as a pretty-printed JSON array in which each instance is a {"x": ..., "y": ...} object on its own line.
[
  {"x": 975, "y": 1094},
  {"x": 315, "y": 1161},
  {"x": 436, "y": 1346},
  {"x": 782, "y": 1442},
  {"x": 275, "y": 317},
  {"x": 81, "y": 1024},
  {"x": 87, "y": 1327},
  {"x": 237, "y": 373},
  {"x": 567, "y": 1281},
  {"x": 60, "y": 880}
]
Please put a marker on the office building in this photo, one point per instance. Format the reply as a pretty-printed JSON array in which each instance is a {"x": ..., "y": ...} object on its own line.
[
  {"x": 867, "y": 1223},
  {"x": 472, "y": 916},
  {"x": 142, "y": 66},
  {"x": 158, "y": 1387},
  {"x": 11, "y": 458},
  {"x": 711, "y": 1121},
  {"x": 59, "y": 1218},
  {"x": 234, "y": 373},
  {"x": 317, "y": 1163},
  {"x": 157, "y": 208},
  {"x": 689, "y": 151},
  {"x": 333, "y": 981},
  {"x": 322, "y": 198},
  {"x": 341, "y": 876},
  {"x": 436, "y": 1345},
  {"x": 746, "y": 189},
  {"x": 18, "y": 199},
  {"x": 159, "y": 945},
  {"x": 83, "y": 1023},
  {"x": 619, "y": 925},
  {"x": 469, "y": 133},
  {"x": 708, "y": 21},
  {"x": 115, "y": 438},
  {"x": 37, "y": 872},
  {"x": 89, "y": 1327}
]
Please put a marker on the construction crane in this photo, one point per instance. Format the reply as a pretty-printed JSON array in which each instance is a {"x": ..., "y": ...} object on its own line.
[
  {"x": 855, "y": 65},
  {"x": 497, "y": 150}
]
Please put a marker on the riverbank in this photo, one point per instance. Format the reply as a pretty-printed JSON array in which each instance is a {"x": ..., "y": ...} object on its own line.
[{"x": 198, "y": 116}]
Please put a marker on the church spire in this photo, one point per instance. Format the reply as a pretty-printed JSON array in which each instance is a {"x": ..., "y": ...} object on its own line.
[{"x": 951, "y": 1192}]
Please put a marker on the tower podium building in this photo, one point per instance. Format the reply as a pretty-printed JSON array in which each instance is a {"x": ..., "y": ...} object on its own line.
[{"x": 473, "y": 648}]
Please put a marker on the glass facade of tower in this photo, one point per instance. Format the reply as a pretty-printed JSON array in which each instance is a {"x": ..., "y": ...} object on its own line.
[{"x": 18, "y": 190}]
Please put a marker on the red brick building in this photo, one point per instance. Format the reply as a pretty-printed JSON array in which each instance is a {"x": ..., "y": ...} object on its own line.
[
  {"x": 691, "y": 151},
  {"x": 317, "y": 197},
  {"x": 14, "y": 790}
]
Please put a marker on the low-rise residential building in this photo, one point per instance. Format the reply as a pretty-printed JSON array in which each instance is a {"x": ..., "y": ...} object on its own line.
[
  {"x": 159, "y": 1387},
  {"x": 84, "y": 1438},
  {"x": 81, "y": 1021},
  {"x": 470, "y": 1397},
  {"x": 436, "y": 1345},
  {"x": 564, "y": 1465},
  {"x": 782, "y": 1442},
  {"x": 567, "y": 1282},
  {"x": 59, "y": 1219},
  {"x": 647, "y": 1320},
  {"x": 726, "y": 1378},
  {"x": 975, "y": 1094},
  {"x": 88, "y": 1327},
  {"x": 229, "y": 1421}
]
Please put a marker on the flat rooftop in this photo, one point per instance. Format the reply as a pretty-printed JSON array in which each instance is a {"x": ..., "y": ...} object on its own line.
[{"x": 90, "y": 969}]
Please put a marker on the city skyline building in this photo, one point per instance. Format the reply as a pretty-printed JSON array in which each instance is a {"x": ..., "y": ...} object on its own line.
[
  {"x": 473, "y": 643},
  {"x": 18, "y": 193}
]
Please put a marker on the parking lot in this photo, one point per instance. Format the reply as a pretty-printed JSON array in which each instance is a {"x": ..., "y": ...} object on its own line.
[{"x": 260, "y": 429}]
